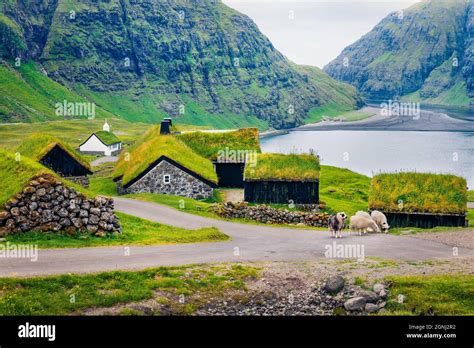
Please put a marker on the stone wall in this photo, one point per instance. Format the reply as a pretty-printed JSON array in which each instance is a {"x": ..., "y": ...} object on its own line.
[
  {"x": 268, "y": 215},
  {"x": 181, "y": 184},
  {"x": 46, "y": 204},
  {"x": 80, "y": 180}
]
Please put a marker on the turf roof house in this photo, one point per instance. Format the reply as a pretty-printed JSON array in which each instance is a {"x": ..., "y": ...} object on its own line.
[
  {"x": 229, "y": 151},
  {"x": 280, "y": 178},
  {"x": 57, "y": 156},
  {"x": 421, "y": 200},
  {"x": 103, "y": 143},
  {"x": 164, "y": 164}
]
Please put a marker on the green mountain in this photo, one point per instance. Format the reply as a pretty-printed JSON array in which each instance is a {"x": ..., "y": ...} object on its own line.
[
  {"x": 424, "y": 53},
  {"x": 199, "y": 61}
]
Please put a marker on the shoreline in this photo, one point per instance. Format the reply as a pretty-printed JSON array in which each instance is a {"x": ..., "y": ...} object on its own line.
[{"x": 427, "y": 121}]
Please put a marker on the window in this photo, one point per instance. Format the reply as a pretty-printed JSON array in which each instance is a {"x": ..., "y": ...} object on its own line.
[{"x": 166, "y": 179}]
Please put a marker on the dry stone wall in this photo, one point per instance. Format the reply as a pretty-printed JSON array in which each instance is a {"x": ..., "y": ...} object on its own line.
[
  {"x": 47, "y": 204},
  {"x": 268, "y": 215}
]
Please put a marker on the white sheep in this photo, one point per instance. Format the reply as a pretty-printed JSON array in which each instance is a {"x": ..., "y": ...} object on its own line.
[
  {"x": 363, "y": 213},
  {"x": 380, "y": 219},
  {"x": 363, "y": 224}
]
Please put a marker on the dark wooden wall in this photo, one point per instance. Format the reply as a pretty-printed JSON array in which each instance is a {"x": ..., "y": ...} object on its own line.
[
  {"x": 230, "y": 174},
  {"x": 424, "y": 220},
  {"x": 62, "y": 163},
  {"x": 281, "y": 192}
]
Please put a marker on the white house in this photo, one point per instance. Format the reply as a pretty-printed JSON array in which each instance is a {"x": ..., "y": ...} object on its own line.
[{"x": 103, "y": 143}]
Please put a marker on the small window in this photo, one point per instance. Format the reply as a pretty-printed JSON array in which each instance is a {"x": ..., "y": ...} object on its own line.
[{"x": 166, "y": 179}]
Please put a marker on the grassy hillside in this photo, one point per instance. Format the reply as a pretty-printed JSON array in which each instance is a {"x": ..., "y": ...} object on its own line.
[
  {"x": 343, "y": 189},
  {"x": 27, "y": 95},
  {"x": 200, "y": 62},
  {"x": 423, "y": 53}
]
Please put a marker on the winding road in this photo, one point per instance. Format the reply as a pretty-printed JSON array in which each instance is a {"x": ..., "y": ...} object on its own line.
[{"x": 249, "y": 243}]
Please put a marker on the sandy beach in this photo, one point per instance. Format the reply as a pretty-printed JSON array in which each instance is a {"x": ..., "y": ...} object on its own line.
[{"x": 426, "y": 121}]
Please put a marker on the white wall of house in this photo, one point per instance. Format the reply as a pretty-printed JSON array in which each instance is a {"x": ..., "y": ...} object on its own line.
[{"x": 93, "y": 144}]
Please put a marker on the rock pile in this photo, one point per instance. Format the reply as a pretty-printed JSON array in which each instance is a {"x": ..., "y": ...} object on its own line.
[
  {"x": 330, "y": 297},
  {"x": 46, "y": 204},
  {"x": 365, "y": 301},
  {"x": 265, "y": 214}
]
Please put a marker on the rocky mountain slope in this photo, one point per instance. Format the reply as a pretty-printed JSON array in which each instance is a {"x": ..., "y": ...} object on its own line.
[
  {"x": 198, "y": 61},
  {"x": 424, "y": 53}
]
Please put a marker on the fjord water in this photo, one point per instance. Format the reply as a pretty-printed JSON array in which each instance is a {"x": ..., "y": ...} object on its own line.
[{"x": 371, "y": 152}]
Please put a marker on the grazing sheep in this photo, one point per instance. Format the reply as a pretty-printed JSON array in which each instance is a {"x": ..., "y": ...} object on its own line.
[
  {"x": 363, "y": 224},
  {"x": 380, "y": 219},
  {"x": 363, "y": 213},
  {"x": 336, "y": 223}
]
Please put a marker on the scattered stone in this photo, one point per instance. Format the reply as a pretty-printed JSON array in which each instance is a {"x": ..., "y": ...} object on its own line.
[
  {"x": 334, "y": 284},
  {"x": 355, "y": 304},
  {"x": 378, "y": 287},
  {"x": 370, "y": 296},
  {"x": 371, "y": 308}
]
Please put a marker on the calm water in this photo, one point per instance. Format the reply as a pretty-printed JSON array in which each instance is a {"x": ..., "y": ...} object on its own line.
[{"x": 369, "y": 152}]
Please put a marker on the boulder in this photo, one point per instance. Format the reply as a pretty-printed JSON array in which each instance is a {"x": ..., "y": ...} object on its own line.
[
  {"x": 334, "y": 284},
  {"x": 355, "y": 304},
  {"x": 370, "y": 296},
  {"x": 378, "y": 287},
  {"x": 371, "y": 308}
]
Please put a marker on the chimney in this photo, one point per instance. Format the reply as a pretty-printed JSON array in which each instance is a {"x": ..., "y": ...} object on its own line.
[{"x": 165, "y": 126}]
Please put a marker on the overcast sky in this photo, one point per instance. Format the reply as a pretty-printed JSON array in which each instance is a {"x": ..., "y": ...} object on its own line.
[{"x": 314, "y": 32}]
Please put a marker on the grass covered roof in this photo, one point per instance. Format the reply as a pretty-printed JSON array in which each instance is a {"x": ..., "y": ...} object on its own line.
[
  {"x": 38, "y": 145},
  {"x": 108, "y": 138},
  {"x": 209, "y": 144},
  {"x": 281, "y": 167},
  {"x": 151, "y": 147},
  {"x": 16, "y": 174},
  {"x": 418, "y": 193}
]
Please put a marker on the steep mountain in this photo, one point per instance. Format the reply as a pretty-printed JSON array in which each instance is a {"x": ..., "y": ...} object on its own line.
[
  {"x": 424, "y": 53},
  {"x": 198, "y": 61}
]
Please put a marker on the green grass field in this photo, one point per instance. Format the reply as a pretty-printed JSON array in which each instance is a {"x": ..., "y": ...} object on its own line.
[
  {"x": 73, "y": 294},
  {"x": 432, "y": 295},
  {"x": 136, "y": 231},
  {"x": 316, "y": 114},
  {"x": 73, "y": 132},
  {"x": 470, "y": 196}
]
